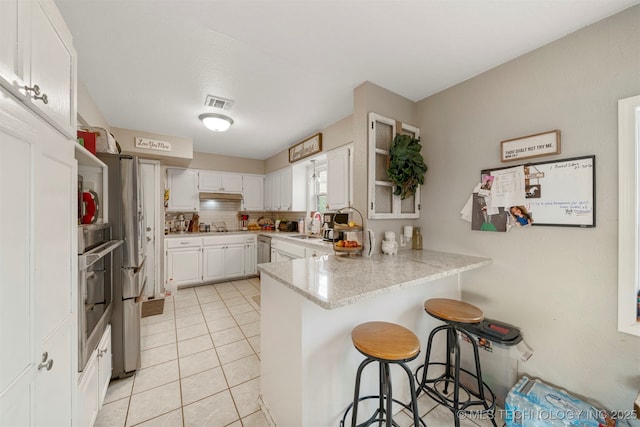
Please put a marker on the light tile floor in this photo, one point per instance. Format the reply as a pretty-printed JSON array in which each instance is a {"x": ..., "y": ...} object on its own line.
[{"x": 201, "y": 365}]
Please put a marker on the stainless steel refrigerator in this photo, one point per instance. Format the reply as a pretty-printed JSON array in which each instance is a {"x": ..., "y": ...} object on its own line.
[{"x": 127, "y": 224}]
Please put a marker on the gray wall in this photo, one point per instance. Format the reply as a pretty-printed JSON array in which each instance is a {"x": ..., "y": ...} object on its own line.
[{"x": 558, "y": 284}]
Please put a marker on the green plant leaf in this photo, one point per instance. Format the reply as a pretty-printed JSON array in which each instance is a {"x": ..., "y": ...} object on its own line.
[{"x": 406, "y": 165}]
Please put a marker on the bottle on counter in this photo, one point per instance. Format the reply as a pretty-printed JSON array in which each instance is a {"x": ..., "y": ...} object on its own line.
[{"x": 417, "y": 238}]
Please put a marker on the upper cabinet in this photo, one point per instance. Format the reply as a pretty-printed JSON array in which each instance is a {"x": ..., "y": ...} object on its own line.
[
  {"x": 221, "y": 182},
  {"x": 339, "y": 177},
  {"x": 252, "y": 192},
  {"x": 38, "y": 61},
  {"x": 287, "y": 188},
  {"x": 383, "y": 204},
  {"x": 183, "y": 190}
]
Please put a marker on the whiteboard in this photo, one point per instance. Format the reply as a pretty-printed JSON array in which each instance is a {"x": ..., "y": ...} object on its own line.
[{"x": 560, "y": 192}]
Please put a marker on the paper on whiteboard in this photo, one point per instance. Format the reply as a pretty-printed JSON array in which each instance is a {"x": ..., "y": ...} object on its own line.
[{"x": 508, "y": 187}]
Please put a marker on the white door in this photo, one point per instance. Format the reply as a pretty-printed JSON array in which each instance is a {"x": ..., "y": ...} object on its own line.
[{"x": 150, "y": 170}]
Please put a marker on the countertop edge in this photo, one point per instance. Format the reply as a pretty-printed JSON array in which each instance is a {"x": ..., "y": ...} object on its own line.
[{"x": 330, "y": 305}]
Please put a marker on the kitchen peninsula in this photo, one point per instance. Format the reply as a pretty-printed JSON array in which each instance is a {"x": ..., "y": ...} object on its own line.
[{"x": 308, "y": 309}]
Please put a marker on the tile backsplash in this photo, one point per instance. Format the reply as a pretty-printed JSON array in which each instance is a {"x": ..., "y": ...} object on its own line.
[{"x": 228, "y": 211}]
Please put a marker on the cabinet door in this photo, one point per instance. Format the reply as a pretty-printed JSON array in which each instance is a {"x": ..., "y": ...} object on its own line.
[
  {"x": 88, "y": 390},
  {"x": 250, "y": 259},
  {"x": 209, "y": 181},
  {"x": 56, "y": 276},
  {"x": 14, "y": 28},
  {"x": 268, "y": 192},
  {"x": 183, "y": 189},
  {"x": 184, "y": 266},
  {"x": 104, "y": 365},
  {"x": 231, "y": 182},
  {"x": 17, "y": 312},
  {"x": 339, "y": 178},
  {"x": 213, "y": 263},
  {"x": 233, "y": 260},
  {"x": 252, "y": 193},
  {"x": 53, "y": 65},
  {"x": 285, "y": 189}
]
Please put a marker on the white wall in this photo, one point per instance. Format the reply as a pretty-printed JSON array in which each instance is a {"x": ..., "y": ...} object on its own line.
[{"x": 558, "y": 284}]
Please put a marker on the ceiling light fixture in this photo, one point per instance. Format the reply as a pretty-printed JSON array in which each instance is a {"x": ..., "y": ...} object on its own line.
[{"x": 216, "y": 122}]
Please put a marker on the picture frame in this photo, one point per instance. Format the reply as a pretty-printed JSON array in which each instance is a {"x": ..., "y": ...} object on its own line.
[
  {"x": 306, "y": 148},
  {"x": 559, "y": 192},
  {"x": 530, "y": 146}
]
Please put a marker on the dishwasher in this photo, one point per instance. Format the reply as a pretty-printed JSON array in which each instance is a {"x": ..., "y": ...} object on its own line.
[{"x": 264, "y": 249}]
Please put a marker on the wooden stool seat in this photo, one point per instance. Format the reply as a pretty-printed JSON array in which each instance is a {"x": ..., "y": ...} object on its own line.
[
  {"x": 453, "y": 310},
  {"x": 387, "y": 341}
]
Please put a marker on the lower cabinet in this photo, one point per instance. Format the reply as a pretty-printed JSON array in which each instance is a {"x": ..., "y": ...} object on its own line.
[
  {"x": 183, "y": 261},
  {"x": 223, "y": 261},
  {"x": 94, "y": 381},
  {"x": 195, "y": 260}
]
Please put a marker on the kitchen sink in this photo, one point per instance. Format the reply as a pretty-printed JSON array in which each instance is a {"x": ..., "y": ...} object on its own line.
[{"x": 305, "y": 236}]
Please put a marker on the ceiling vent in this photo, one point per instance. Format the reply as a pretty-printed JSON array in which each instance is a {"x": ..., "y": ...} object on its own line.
[{"x": 218, "y": 103}]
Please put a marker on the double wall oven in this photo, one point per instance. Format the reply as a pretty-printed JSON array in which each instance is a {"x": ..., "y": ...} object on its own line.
[{"x": 95, "y": 286}]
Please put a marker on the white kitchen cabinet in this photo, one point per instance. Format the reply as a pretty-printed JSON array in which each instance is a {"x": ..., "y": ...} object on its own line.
[
  {"x": 250, "y": 259},
  {"x": 288, "y": 189},
  {"x": 223, "y": 257},
  {"x": 94, "y": 381},
  {"x": 183, "y": 190},
  {"x": 38, "y": 256},
  {"x": 88, "y": 401},
  {"x": 183, "y": 265},
  {"x": 39, "y": 61},
  {"x": 196, "y": 260},
  {"x": 223, "y": 182},
  {"x": 253, "y": 192},
  {"x": 268, "y": 192},
  {"x": 339, "y": 178}
]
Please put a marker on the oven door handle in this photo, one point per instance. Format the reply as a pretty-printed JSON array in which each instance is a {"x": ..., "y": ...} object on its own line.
[{"x": 88, "y": 259}]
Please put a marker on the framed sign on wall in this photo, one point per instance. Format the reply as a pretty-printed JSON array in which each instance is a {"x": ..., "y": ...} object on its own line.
[
  {"x": 306, "y": 148},
  {"x": 527, "y": 147}
]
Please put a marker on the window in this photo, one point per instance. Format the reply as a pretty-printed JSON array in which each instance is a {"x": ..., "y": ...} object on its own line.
[
  {"x": 383, "y": 204},
  {"x": 318, "y": 186},
  {"x": 628, "y": 214}
]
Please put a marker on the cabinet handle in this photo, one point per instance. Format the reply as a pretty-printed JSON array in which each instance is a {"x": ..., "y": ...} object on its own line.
[
  {"x": 35, "y": 89},
  {"x": 36, "y": 92},
  {"x": 45, "y": 364}
]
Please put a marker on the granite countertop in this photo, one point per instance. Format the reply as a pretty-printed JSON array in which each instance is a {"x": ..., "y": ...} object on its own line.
[
  {"x": 336, "y": 281},
  {"x": 285, "y": 235}
]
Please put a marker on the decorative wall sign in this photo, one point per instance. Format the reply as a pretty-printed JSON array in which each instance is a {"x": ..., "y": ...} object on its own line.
[
  {"x": 527, "y": 147},
  {"x": 151, "y": 144},
  {"x": 306, "y": 148}
]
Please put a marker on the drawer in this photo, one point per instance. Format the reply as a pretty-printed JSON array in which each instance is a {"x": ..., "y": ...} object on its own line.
[
  {"x": 183, "y": 243},
  {"x": 224, "y": 240}
]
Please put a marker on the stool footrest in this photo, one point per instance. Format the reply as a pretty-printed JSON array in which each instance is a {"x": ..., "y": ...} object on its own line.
[
  {"x": 375, "y": 416},
  {"x": 488, "y": 405}
]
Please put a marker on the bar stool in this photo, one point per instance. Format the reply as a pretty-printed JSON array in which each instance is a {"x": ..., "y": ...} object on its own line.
[
  {"x": 387, "y": 344},
  {"x": 455, "y": 313}
]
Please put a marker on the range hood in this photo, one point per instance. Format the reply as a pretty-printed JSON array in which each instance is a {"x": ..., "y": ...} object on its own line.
[{"x": 220, "y": 196}]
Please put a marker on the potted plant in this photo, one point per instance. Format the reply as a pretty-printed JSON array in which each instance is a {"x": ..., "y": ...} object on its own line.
[{"x": 406, "y": 166}]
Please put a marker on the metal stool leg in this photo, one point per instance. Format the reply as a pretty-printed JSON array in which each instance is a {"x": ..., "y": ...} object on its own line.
[{"x": 356, "y": 393}]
